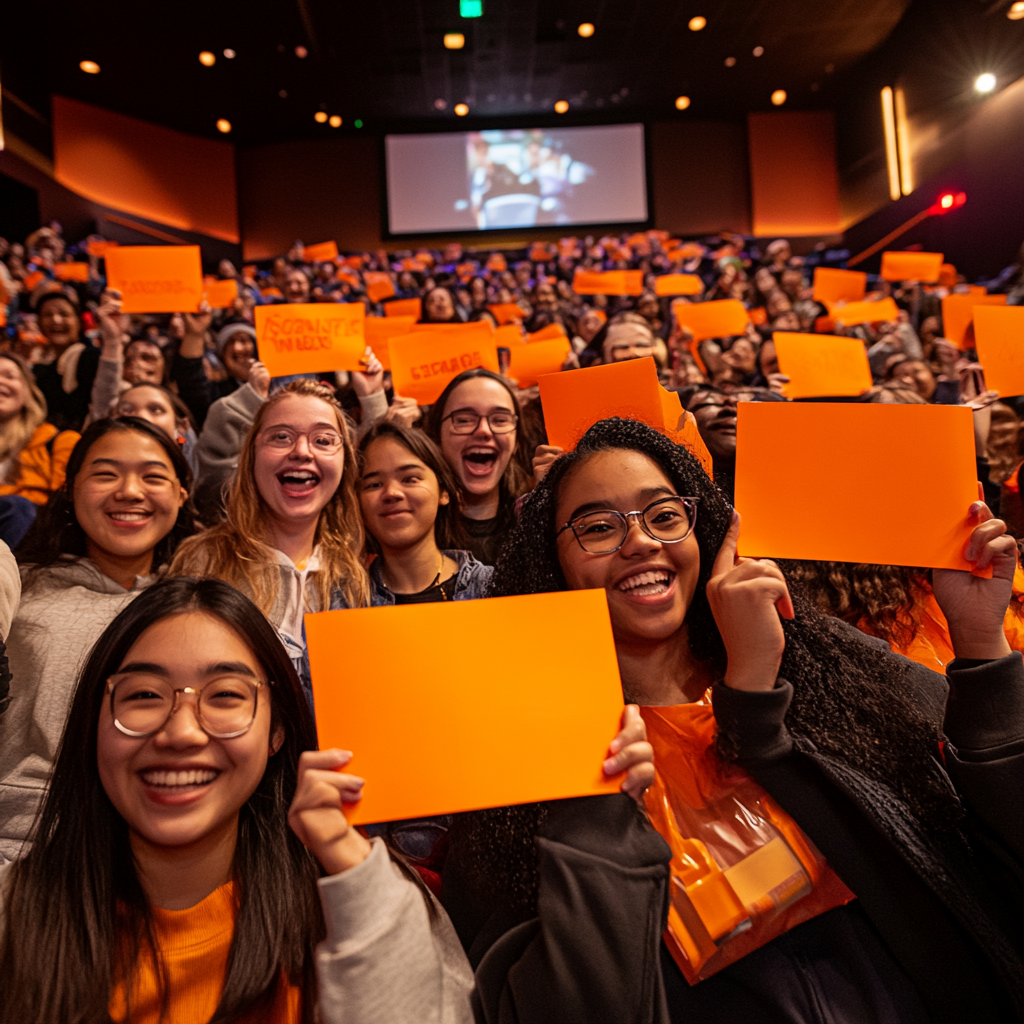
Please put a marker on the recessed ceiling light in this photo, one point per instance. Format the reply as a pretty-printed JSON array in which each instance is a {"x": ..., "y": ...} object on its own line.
[
  {"x": 461, "y": 109},
  {"x": 283, "y": 93},
  {"x": 730, "y": 62},
  {"x": 358, "y": 123},
  {"x": 682, "y": 102},
  {"x": 301, "y": 52},
  {"x": 454, "y": 41},
  {"x": 230, "y": 54},
  {"x": 223, "y": 125},
  {"x": 758, "y": 51},
  {"x": 697, "y": 23},
  {"x": 1016, "y": 12},
  {"x": 90, "y": 67},
  {"x": 779, "y": 97},
  {"x": 561, "y": 107},
  {"x": 586, "y": 30},
  {"x": 985, "y": 82},
  {"x": 440, "y": 104},
  {"x": 207, "y": 59},
  {"x": 320, "y": 117},
  {"x": 335, "y": 121}
]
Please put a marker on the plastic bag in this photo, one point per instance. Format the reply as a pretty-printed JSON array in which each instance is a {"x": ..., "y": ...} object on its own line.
[{"x": 742, "y": 871}]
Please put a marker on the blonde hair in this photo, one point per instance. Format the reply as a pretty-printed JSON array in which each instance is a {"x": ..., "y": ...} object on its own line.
[
  {"x": 16, "y": 433},
  {"x": 235, "y": 551}
]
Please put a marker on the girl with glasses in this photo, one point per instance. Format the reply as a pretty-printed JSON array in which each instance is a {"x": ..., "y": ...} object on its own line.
[
  {"x": 892, "y": 788},
  {"x": 95, "y": 547},
  {"x": 293, "y": 536}
]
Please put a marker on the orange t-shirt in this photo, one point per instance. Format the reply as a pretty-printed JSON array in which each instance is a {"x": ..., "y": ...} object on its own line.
[{"x": 194, "y": 945}]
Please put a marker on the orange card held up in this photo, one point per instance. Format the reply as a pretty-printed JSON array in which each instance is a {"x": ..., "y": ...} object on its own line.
[
  {"x": 156, "y": 278},
  {"x": 378, "y": 329},
  {"x": 999, "y": 339},
  {"x": 322, "y": 252},
  {"x": 573, "y": 401},
  {"x": 530, "y": 362},
  {"x": 379, "y": 286},
  {"x": 718, "y": 319},
  {"x": 958, "y": 316},
  {"x": 609, "y": 282},
  {"x": 311, "y": 337},
  {"x": 678, "y": 284},
  {"x": 507, "y": 312},
  {"x": 912, "y": 266},
  {"x": 404, "y": 307},
  {"x": 831, "y": 285},
  {"x": 464, "y": 726},
  {"x": 865, "y": 312},
  {"x": 71, "y": 272},
  {"x": 221, "y": 294},
  {"x": 423, "y": 363},
  {"x": 822, "y": 365},
  {"x": 547, "y": 333},
  {"x": 828, "y": 481}
]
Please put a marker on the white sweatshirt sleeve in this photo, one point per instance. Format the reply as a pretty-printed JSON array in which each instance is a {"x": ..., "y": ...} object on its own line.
[{"x": 389, "y": 958}]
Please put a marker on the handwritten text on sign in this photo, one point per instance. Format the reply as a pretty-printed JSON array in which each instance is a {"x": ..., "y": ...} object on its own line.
[
  {"x": 156, "y": 278},
  {"x": 423, "y": 364},
  {"x": 310, "y": 337}
]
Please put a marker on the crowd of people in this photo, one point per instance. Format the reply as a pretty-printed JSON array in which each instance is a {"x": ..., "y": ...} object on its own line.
[{"x": 173, "y": 845}]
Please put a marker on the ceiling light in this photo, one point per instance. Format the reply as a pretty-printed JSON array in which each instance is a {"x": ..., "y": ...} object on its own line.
[
  {"x": 440, "y": 104},
  {"x": 682, "y": 102},
  {"x": 454, "y": 41},
  {"x": 461, "y": 109},
  {"x": 1016, "y": 12},
  {"x": 730, "y": 62},
  {"x": 586, "y": 30},
  {"x": 301, "y": 52},
  {"x": 223, "y": 125},
  {"x": 229, "y": 53},
  {"x": 471, "y": 8},
  {"x": 320, "y": 117},
  {"x": 985, "y": 82},
  {"x": 207, "y": 59},
  {"x": 779, "y": 97},
  {"x": 358, "y": 123},
  {"x": 335, "y": 121},
  {"x": 946, "y": 202},
  {"x": 90, "y": 67},
  {"x": 696, "y": 24},
  {"x": 758, "y": 51},
  {"x": 561, "y": 107}
]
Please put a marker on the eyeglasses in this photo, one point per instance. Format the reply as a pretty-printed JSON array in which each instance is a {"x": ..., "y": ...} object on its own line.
[
  {"x": 142, "y": 704},
  {"x": 321, "y": 440},
  {"x": 465, "y": 421},
  {"x": 667, "y": 520}
]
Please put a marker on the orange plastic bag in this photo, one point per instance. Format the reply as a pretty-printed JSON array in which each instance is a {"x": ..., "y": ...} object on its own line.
[{"x": 742, "y": 871}]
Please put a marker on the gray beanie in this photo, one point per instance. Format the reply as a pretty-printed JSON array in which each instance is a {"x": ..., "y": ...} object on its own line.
[{"x": 229, "y": 331}]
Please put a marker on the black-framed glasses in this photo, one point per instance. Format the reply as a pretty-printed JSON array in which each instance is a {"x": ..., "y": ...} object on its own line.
[
  {"x": 284, "y": 439},
  {"x": 466, "y": 421},
  {"x": 142, "y": 703},
  {"x": 667, "y": 520}
]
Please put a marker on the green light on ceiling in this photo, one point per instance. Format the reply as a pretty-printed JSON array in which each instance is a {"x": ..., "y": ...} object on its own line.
[
  {"x": 358, "y": 123},
  {"x": 471, "y": 8}
]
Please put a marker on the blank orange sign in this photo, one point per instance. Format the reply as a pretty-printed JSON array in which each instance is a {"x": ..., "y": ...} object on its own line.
[
  {"x": 221, "y": 294},
  {"x": 609, "y": 282},
  {"x": 866, "y": 312},
  {"x": 912, "y": 266},
  {"x": 530, "y": 362},
  {"x": 719, "y": 319},
  {"x": 507, "y": 312},
  {"x": 322, "y": 252},
  {"x": 423, "y": 363},
  {"x": 313, "y": 337},
  {"x": 156, "y": 278},
  {"x": 999, "y": 339},
  {"x": 678, "y": 284},
  {"x": 547, "y": 333},
  {"x": 379, "y": 286},
  {"x": 378, "y": 329},
  {"x": 833, "y": 481},
  {"x": 71, "y": 272},
  {"x": 460, "y": 725},
  {"x": 958, "y": 316},
  {"x": 404, "y": 307},
  {"x": 820, "y": 365},
  {"x": 832, "y": 285}
]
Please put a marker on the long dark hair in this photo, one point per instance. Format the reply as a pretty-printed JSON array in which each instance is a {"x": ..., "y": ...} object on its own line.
[
  {"x": 56, "y": 535},
  {"x": 75, "y": 909},
  {"x": 449, "y": 534}
]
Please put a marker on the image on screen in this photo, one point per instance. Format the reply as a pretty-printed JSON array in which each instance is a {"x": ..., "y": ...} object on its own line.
[{"x": 521, "y": 178}]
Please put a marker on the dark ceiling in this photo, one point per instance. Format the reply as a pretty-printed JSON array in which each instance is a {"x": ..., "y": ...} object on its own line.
[{"x": 384, "y": 62}]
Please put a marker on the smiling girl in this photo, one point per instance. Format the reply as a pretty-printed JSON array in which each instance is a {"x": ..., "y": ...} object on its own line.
[
  {"x": 94, "y": 548},
  {"x": 165, "y": 410}
]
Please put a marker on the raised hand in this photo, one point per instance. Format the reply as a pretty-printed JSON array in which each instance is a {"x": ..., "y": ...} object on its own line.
[
  {"x": 259, "y": 379},
  {"x": 544, "y": 459},
  {"x": 371, "y": 379},
  {"x": 630, "y": 752},
  {"x": 403, "y": 411}
]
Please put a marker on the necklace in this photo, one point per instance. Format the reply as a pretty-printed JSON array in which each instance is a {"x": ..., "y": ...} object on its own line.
[{"x": 435, "y": 582}]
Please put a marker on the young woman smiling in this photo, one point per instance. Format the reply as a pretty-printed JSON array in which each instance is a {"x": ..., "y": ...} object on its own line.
[
  {"x": 94, "y": 548},
  {"x": 165, "y": 410},
  {"x": 842, "y": 733},
  {"x": 165, "y": 883},
  {"x": 474, "y": 423},
  {"x": 409, "y": 501}
]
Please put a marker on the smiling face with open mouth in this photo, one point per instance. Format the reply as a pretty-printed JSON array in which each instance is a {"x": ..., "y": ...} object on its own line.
[{"x": 13, "y": 390}]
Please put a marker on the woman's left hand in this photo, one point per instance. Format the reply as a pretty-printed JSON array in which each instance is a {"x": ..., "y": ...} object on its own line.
[
  {"x": 630, "y": 752},
  {"x": 371, "y": 379},
  {"x": 975, "y": 607}
]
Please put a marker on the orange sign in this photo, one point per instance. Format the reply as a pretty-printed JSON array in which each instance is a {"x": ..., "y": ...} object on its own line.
[
  {"x": 99, "y": 247},
  {"x": 507, "y": 312},
  {"x": 313, "y": 337},
  {"x": 354, "y": 262},
  {"x": 530, "y": 362},
  {"x": 322, "y": 252},
  {"x": 827, "y": 481},
  {"x": 509, "y": 335},
  {"x": 379, "y": 286},
  {"x": 497, "y": 262},
  {"x": 822, "y": 365},
  {"x": 379, "y": 329},
  {"x": 999, "y": 339},
  {"x": 575, "y": 400},
  {"x": 958, "y": 316},
  {"x": 610, "y": 282},
  {"x": 719, "y": 319},
  {"x": 156, "y": 278},
  {"x": 865, "y": 312},
  {"x": 831, "y": 285},
  {"x": 423, "y": 363},
  {"x": 404, "y": 307},
  {"x": 546, "y": 333},
  {"x": 678, "y": 284},
  {"x": 71, "y": 272},
  {"x": 441, "y": 743},
  {"x": 912, "y": 266},
  {"x": 221, "y": 294}
]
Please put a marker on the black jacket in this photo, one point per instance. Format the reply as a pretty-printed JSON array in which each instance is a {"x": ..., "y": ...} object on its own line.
[{"x": 68, "y": 411}]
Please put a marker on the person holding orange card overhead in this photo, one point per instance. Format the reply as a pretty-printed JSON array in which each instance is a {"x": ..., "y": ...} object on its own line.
[{"x": 817, "y": 838}]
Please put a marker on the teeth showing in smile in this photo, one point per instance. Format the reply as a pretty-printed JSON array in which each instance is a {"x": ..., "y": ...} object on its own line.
[
  {"x": 192, "y": 777},
  {"x": 646, "y": 584},
  {"x": 481, "y": 456},
  {"x": 298, "y": 477},
  {"x": 129, "y": 517}
]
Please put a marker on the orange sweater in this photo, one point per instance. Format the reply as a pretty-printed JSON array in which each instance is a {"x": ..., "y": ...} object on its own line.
[
  {"x": 194, "y": 944},
  {"x": 41, "y": 464}
]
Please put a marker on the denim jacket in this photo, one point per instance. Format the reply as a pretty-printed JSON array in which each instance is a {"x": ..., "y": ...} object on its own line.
[{"x": 471, "y": 581}]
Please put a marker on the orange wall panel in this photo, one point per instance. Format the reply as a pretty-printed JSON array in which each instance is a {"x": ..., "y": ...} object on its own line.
[
  {"x": 794, "y": 181},
  {"x": 163, "y": 175}
]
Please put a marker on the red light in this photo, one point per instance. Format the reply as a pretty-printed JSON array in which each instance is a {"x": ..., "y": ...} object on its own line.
[{"x": 946, "y": 202}]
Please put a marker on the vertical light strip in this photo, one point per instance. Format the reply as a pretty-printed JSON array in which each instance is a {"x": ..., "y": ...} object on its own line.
[
  {"x": 891, "y": 158},
  {"x": 903, "y": 144}
]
